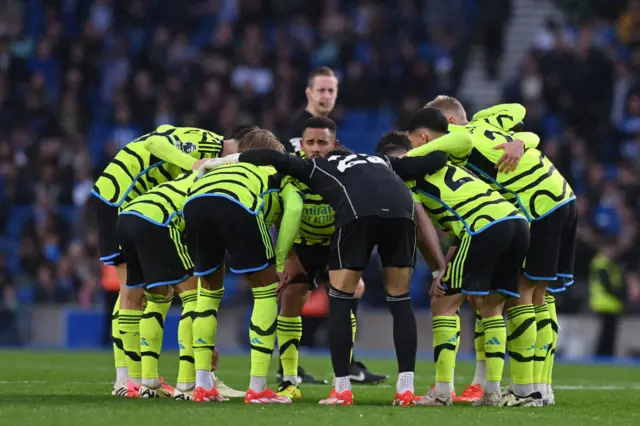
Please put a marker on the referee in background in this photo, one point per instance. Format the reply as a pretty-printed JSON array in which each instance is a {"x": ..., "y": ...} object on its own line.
[{"x": 321, "y": 93}]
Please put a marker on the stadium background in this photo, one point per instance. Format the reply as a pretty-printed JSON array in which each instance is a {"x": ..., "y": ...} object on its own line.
[{"x": 81, "y": 78}]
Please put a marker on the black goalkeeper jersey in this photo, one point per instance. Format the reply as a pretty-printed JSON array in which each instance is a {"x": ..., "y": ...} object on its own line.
[{"x": 355, "y": 185}]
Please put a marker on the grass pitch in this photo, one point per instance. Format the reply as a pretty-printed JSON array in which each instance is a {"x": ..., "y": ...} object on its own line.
[{"x": 59, "y": 388}]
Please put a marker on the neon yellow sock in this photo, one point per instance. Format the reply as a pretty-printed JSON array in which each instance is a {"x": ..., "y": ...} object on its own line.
[
  {"x": 444, "y": 349},
  {"x": 262, "y": 332},
  {"x": 129, "y": 324},
  {"x": 354, "y": 328},
  {"x": 186, "y": 367},
  {"x": 289, "y": 335},
  {"x": 205, "y": 326},
  {"x": 478, "y": 339},
  {"x": 151, "y": 333},
  {"x": 544, "y": 340},
  {"x": 547, "y": 372},
  {"x": 495, "y": 345},
  {"x": 521, "y": 321},
  {"x": 119, "y": 357}
]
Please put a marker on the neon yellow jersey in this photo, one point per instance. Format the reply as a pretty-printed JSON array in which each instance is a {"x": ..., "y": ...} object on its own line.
[
  {"x": 152, "y": 159},
  {"x": 163, "y": 205},
  {"x": 460, "y": 203},
  {"x": 536, "y": 187},
  {"x": 318, "y": 218}
]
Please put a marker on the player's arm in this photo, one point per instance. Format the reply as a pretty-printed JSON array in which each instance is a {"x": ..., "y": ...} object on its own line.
[
  {"x": 452, "y": 250},
  {"x": 504, "y": 116},
  {"x": 291, "y": 165},
  {"x": 457, "y": 145},
  {"x": 414, "y": 167},
  {"x": 514, "y": 150},
  {"x": 163, "y": 147},
  {"x": 289, "y": 225},
  {"x": 428, "y": 240}
]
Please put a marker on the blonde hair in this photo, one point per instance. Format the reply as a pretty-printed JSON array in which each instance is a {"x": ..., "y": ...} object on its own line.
[
  {"x": 448, "y": 105},
  {"x": 259, "y": 138}
]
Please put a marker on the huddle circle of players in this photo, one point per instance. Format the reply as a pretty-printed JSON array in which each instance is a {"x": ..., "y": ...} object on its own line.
[{"x": 179, "y": 205}]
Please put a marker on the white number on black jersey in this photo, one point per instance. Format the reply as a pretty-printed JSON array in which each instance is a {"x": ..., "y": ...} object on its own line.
[{"x": 354, "y": 160}]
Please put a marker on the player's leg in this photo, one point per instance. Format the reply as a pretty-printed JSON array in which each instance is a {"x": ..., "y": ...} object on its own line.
[
  {"x": 544, "y": 337},
  {"x": 397, "y": 249},
  {"x": 165, "y": 261},
  {"x": 443, "y": 309},
  {"x": 304, "y": 262},
  {"x": 351, "y": 247},
  {"x": 565, "y": 274},
  {"x": 474, "y": 391},
  {"x": 358, "y": 371},
  {"x": 251, "y": 252},
  {"x": 522, "y": 324},
  {"x": 186, "y": 382},
  {"x": 106, "y": 218},
  {"x": 548, "y": 368},
  {"x": 131, "y": 302},
  {"x": 207, "y": 248},
  {"x": 289, "y": 330},
  {"x": 508, "y": 242},
  {"x": 542, "y": 268}
]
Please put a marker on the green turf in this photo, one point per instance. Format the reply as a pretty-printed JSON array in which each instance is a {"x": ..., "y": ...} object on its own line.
[{"x": 57, "y": 388}]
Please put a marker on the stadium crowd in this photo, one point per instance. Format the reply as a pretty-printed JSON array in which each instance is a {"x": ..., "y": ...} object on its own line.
[{"x": 79, "y": 79}]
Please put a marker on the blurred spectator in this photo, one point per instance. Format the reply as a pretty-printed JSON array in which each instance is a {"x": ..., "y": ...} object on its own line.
[
  {"x": 494, "y": 15},
  {"x": 607, "y": 295}
]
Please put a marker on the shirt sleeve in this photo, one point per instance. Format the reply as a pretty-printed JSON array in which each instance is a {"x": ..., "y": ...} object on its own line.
[
  {"x": 457, "y": 145},
  {"x": 284, "y": 163},
  {"x": 531, "y": 140},
  {"x": 504, "y": 116},
  {"x": 290, "y": 224},
  {"x": 415, "y": 167},
  {"x": 162, "y": 147}
]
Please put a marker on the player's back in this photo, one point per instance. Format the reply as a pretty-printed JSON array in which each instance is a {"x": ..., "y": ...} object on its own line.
[
  {"x": 163, "y": 204},
  {"x": 242, "y": 183},
  {"x": 535, "y": 186},
  {"x": 360, "y": 185},
  {"x": 459, "y": 202},
  {"x": 135, "y": 170}
]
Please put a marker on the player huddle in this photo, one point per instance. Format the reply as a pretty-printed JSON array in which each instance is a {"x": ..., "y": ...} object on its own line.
[{"x": 179, "y": 205}]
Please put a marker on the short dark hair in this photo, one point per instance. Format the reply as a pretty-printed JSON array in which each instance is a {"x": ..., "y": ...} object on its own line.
[
  {"x": 393, "y": 142},
  {"x": 321, "y": 123},
  {"x": 260, "y": 138},
  {"x": 340, "y": 150},
  {"x": 428, "y": 118},
  {"x": 240, "y": 131},
  {"x": 321, "y": 71}
]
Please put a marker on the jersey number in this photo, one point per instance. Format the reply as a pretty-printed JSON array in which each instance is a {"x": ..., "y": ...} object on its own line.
[
  {"x": 492, "y": 135},
  {"x": 452, "y": 183},
  {"x": 353, "y": 160}
]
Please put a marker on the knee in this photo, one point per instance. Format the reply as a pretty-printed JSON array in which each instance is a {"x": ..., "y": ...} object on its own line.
[
  {"x": 446, "y": 305},
  {"x": 293, "y": 298},
  {"x": 189, "y": 284},
  {"x": 539, "y": 293},
  {"x": 163, "y": 290},
  {"x": 490, "y": 306},
  {"x": 132, "y": 298}
]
